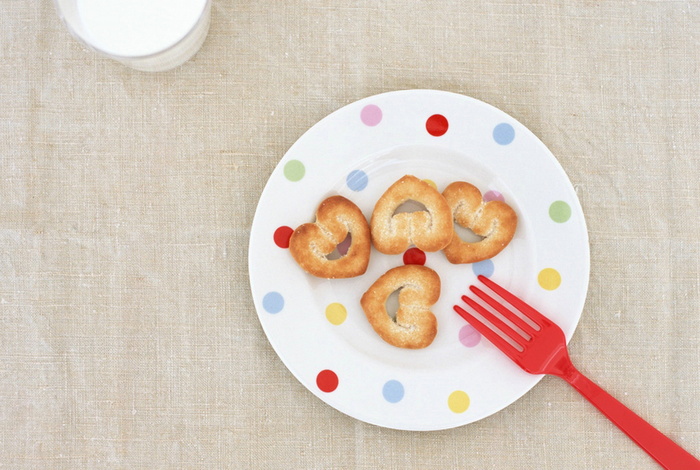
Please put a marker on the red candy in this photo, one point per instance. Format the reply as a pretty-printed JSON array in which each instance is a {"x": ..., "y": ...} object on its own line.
[{"x": 414, "y": 256}]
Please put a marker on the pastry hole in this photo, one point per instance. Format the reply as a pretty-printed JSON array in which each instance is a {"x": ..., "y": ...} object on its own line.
[
  {"x": 392, "y": 304},
  {"x": 341, "y": 249},
  {"x": 410, "y": 206},
  {"x": 467, "y": 235}
]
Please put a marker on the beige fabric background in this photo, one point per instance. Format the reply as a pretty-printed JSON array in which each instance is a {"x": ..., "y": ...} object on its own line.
[{"x": 128, "y": 335}]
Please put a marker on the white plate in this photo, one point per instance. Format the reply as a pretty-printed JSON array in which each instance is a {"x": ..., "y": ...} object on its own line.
[{"x": 317, "y": 326}]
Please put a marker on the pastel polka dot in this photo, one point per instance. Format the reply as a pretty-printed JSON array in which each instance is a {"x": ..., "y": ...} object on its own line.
[
  {"x": 431, "y": 183},
  {"x": 282, "y": 236},
  {"x": 559, "y": 211},
  {"x": 436, "y": 125},
  {"x": 483, "y": 268},
  {"x": 468, "y": 336},
  {"x": 458, "y": 401},
  {"x": 336, "y": 313},
  {"x": 371, "y": 115},
  {"x": 549, "y": 278},
  {"x": 357, "y": 180},
  {"x": 294, "y": 170},
  {"x": 414, "y": 256},
  {"x": 273, "y": 302},
  {"x": 327, "y": 381},
  {"x": 503, "y": 134},
  {"x": 393, "y": 391},
  {"x": 493, "y": 196}
]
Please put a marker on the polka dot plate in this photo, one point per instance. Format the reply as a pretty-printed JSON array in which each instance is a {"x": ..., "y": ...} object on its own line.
[{"x": 317, "y": 326}]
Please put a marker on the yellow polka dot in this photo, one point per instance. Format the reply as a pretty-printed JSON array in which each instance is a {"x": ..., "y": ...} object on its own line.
[
  {"x": 458, "y": 401},
  {"x": 336, "y": 313},
  {"x": 549, "y": 278},
  {"x": 431, "y": 183}
]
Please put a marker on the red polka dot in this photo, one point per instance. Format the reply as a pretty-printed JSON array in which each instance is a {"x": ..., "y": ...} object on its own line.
[
  {"x": 436, "y": 125},
  {"x": 414, "y": 256},
  {"x": 327, "y": 381},
  {"x": 282, "y": 236}
]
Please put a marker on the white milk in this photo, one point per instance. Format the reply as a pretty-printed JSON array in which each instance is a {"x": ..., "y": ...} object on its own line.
[{"x": 145, "y": 34}]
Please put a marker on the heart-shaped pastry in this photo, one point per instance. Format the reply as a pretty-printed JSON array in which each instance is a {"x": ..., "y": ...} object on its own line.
[
  {"x": 430, "y": 229},
  {"x": 495, "y": 221},
  {"x": 312, "y": 243},
  {"x": 415, "y": 326}
]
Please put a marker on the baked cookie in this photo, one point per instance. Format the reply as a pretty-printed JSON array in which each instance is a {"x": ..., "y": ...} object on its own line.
[
  {"x": 430, "y": 229},
  {"x": 415, "y": 325},
  {"x": 495, "y": 221},
  {"x": 312, "y": 243}
]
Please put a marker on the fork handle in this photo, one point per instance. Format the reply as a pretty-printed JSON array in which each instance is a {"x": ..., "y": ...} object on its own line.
[{"x": 666, "y": 452}]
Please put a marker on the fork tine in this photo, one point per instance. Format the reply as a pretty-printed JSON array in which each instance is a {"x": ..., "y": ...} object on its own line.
[
  {"x": 491, "y": 335},
  {"x": 499, "y": 324},
  {"x": 539, "y": 319},
  {"x": 503, "y": 310}
]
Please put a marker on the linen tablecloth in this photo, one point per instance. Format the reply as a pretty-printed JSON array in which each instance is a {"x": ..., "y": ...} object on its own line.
[{"x": 129, "y": 338}]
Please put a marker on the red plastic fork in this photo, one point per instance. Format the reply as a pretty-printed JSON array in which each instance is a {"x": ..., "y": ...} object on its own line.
[{"x": 542, "y": 350}]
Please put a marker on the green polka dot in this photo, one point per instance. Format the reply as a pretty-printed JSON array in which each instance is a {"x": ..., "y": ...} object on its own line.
[
  {"x": 294, "y": 170},
  {"x": 559, "y": 211}
]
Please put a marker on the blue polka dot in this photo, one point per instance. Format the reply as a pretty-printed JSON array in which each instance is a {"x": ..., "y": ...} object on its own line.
[
  {"x": 483, "y": 268},
  {"x": 357, "y": 180},
  {"x": 273, "y": 302},
  {"x": 503, "y": 133},
  {"x": 393, "y": 391}
]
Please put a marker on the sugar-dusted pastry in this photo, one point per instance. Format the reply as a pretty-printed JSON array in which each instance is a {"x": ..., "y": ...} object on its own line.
[
  {"x": 312, "y": 243},
  {"x": 495, "y": 221},
  {"x": 429, "y": 229},
  {"x": 415, "y": 326}
]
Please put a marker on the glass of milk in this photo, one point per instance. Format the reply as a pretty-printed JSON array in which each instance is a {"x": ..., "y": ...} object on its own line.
[{"x": 148, "y": 35}]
